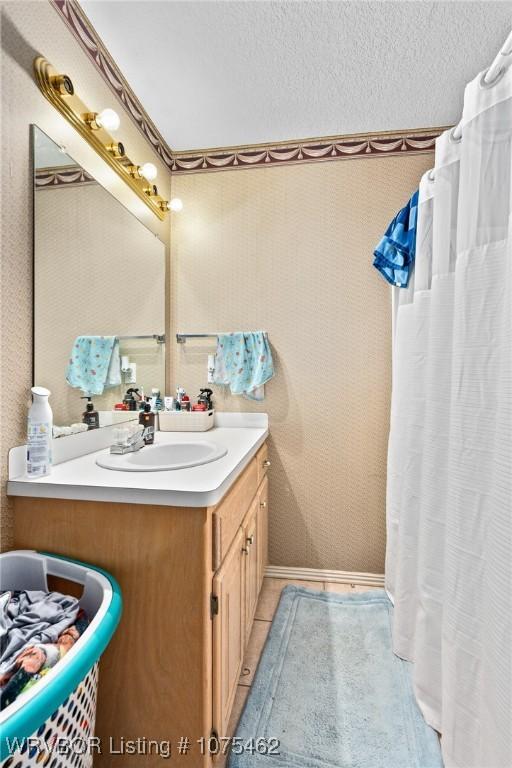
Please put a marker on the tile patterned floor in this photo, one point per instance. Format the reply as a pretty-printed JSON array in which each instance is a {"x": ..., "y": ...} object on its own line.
[{"x": 267, "y": 604}]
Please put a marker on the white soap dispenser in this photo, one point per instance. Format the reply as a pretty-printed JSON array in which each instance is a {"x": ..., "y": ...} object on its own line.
[{"x": 39, "y": 434}]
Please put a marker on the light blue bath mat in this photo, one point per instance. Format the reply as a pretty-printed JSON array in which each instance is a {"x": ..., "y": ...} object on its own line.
[{"x": 330, "y": 690}]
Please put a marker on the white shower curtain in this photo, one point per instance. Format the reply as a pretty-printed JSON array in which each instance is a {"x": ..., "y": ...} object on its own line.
[{"x": 449, "y": 497}]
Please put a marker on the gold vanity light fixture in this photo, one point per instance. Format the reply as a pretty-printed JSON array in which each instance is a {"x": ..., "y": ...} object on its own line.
[
  {"x": 107, "y": 119},
  {"x": 147, "y": 171},
  {"x": 95, "y": 128},
  {"x": 175, "y": 204}
]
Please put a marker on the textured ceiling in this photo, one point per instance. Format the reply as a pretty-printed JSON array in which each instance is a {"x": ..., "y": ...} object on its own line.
[{"x": 228, "y": 73}]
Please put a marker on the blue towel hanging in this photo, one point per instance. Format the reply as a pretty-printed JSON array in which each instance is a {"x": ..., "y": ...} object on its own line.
[
  {"x": 394, "y": 255},
  {"x": 94, "y": 364},
  {"x": 244, "y": 363}
]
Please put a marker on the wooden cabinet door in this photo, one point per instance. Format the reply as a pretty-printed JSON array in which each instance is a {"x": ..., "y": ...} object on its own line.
[
  {"x": 262, "y": 531},
  {"x": 251, "y": 565},
  {"x": 228, "y": 631}
]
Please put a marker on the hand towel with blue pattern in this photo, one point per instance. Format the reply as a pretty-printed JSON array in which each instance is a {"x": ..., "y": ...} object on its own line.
[
  {"x": 244, "y": 363},
  {"x": 94, "y": 364},
  {"x": 394, "y": 255}
]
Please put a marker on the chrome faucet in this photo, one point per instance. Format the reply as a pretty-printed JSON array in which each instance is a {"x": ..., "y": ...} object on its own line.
[{"x": 130, "y": 442}]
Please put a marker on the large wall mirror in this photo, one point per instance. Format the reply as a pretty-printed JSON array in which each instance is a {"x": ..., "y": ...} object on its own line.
[{"x": 99, "y": 295}]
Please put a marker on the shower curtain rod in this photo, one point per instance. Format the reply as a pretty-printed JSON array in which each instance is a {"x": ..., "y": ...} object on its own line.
[
  {"x": 497, "y": 68},
  {"x": 491, "y": 76}
]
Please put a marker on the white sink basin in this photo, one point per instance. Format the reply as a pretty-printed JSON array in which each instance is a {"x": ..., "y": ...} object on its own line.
[{"x": 158, "y": 458}]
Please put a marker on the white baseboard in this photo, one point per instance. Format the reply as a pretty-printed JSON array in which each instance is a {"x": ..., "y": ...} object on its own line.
[{"x": 318, "y": 574}]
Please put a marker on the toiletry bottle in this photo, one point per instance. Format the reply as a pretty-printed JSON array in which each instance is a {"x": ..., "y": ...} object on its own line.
[
  {"x": 185, "y": 403},
  {"x": 179, "y": 397},
  {"x": 211, "y": 369},
  {"x": 205, "y": 396},
  {"x": 158, "y": 403},
  {"x": 90, "y": 416},
  {"x": 147, "y": 420},
  {"x": 39, "y": 434},
  {"x": 131, "y": 399}
]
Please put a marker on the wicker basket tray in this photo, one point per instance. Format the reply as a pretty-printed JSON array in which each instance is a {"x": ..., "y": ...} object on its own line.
[{"x": 185, "y": 421}]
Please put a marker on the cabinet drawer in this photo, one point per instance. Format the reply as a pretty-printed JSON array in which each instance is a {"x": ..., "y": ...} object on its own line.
[
  {"x": 229, "y": 514},
  {"x": 262, "y": 462}
]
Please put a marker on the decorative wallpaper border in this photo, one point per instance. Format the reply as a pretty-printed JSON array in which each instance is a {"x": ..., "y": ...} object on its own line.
[
  {"x": 62, "y": 176},
  {"x": 227, "y": 158},
  {"x": 76, "y": 20},
  {"x": 343, "y": 147}
]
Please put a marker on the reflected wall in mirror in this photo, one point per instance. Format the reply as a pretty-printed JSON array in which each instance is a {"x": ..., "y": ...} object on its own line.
[{"x": 99, "y": 283}]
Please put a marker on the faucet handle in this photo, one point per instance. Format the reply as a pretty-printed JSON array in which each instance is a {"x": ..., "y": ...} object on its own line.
[
  {"x": 136, "y": 435},
  {"x": 121, "y": 435},
  {"x": 126, "y": 440}
]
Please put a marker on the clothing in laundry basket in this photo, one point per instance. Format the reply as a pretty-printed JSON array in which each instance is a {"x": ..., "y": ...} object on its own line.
[
  {"x": 94, "y": 364},
  {"x": 37, "y": 629},
  {"x": 394, "y": 255},
  {"x": 244, "y": 363}
]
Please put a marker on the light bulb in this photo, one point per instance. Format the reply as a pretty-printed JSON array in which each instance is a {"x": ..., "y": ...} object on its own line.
[
  {"x": 149, "y": 171},
  {"x": 176, "y": 204},
  {"x": 108, "y": 119}
]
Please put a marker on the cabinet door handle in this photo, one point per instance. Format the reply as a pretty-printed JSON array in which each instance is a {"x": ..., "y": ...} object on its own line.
[
  {"x": 263, "y": 504},
  {"x": 245, "y": 550},
  {"x": 266, "y": 463},
  {"x": 250, "y": 540}
]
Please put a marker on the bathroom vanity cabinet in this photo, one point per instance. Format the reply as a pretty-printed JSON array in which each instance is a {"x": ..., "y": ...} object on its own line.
[
  {"x": 236, "y": 587},
  {"x": 190, "y": 578}
]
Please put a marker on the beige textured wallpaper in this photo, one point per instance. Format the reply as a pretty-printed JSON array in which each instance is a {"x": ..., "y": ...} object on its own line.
[
  {"x": 28, "y": 29},
  {"x": 289, "y": 250},
  {"x": 101, "y": 269}
]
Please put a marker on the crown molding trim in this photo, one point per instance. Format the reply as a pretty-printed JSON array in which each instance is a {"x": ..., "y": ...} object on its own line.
[
  {"x": 62, "y": 176},
  {"x": 78, "y": 23},
  {"x": 323, "y": 149},
  {"x": 307, "y": 151}
]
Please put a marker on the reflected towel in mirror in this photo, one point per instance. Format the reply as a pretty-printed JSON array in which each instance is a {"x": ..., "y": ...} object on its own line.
[{"x": 94, "y": 364}]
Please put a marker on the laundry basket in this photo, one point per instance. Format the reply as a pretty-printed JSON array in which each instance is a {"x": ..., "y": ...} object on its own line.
[{"x": 52, "y": 724}]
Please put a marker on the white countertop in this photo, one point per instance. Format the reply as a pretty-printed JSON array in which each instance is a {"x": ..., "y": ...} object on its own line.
[{"x": 202, "y": 486}]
